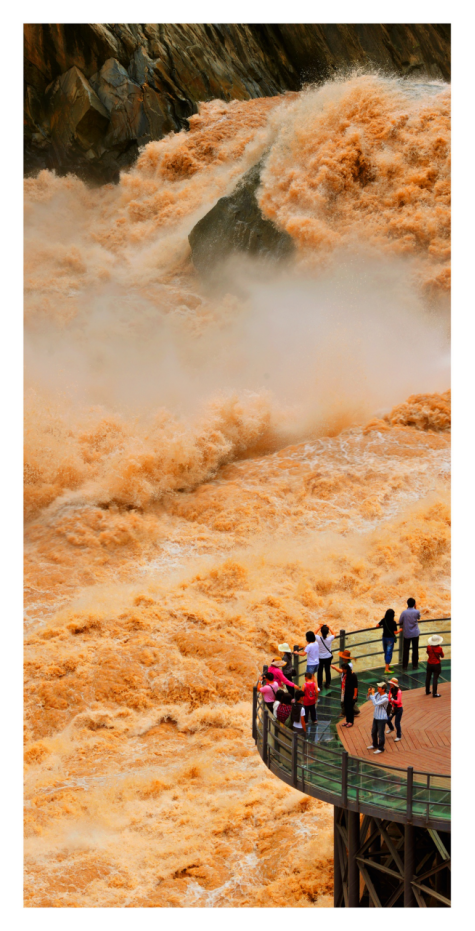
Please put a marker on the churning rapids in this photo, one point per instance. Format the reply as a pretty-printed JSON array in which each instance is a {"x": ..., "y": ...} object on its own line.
[{"x": 210, "y": 472}]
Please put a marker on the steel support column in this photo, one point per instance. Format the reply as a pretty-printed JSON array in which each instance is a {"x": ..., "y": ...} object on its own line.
[
  {"x": 353, "y": 871},
  {"x": 337, "y": 877},
  {"x": 409, "y": 865}
]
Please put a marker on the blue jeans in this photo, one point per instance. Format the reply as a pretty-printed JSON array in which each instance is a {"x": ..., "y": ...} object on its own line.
[
  {"x": 312, "y": 669},
  {"x": 397, "y": 715},
  {"x": 388, "y": 647}
]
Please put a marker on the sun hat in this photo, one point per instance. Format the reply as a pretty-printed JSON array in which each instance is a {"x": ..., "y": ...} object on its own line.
[
  {"x": 277, "y": 662},
  {"x": 381, "y": 685},
  {"x": 284, "y": 648},
  {"x": 435, "y": 640},
  {"x": 346, "y": 655},
  {"x": 393, "y": 681}
]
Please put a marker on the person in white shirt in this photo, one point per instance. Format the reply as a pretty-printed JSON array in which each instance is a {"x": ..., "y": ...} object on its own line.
[
  {"x": 311, "y": 651},
  {"x": 324, "y": 637}
]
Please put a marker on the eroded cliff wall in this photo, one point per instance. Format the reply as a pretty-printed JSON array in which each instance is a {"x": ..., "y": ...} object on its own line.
[{"x": 94, "y": 93}]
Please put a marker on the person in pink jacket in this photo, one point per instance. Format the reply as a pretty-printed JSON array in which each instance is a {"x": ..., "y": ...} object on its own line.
[{"x": 278, "y": 674}]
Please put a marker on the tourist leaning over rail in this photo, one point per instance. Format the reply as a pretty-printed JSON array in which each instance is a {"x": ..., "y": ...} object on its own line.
[
  {"x": 268, "y": 688},
  {"x": 390, "y": 631},
  {"x": 324, "y": 637},
  {"x": 380, "y": 719},
  {"x": 311, "y": 651},
  {"x": 276, "y": 669},
  {"x": 435, "y": 653},
  {"x": 411, "y": 633},
  {"x": 395, "y": 708},
  {"x": 297, "y": 715}
]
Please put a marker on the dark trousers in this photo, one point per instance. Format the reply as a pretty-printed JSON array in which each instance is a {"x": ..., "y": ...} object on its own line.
[
  {"x": 349, "y": 707},
  {"x": 415, "y": 652},
  {"x": 433, "y": 669},
  {"x": 324, "y": 664},
  {"x": 377, "y": 734},
  {"x": 310, "y": 712},
  {"x": 397, "y": 715},
  {"x": 269, "y": 705}
]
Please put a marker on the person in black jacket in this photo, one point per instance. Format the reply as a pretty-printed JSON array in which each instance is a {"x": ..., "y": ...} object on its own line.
[
  {"x": 349, "y": 692},
  {"x": 390, "y": 632}
]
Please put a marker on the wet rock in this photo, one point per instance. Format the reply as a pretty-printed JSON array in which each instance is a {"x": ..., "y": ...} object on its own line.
[
  {"x": 150, "y": 77},
  {"x": 75, "y": 112},
  {"x": 235, "y": 225}
]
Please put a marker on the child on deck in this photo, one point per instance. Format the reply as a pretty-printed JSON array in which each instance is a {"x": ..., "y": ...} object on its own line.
[{"x": 310, "y": 696}]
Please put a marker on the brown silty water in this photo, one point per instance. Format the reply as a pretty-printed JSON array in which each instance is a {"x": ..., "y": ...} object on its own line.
[{"x": 209, "y": 474}]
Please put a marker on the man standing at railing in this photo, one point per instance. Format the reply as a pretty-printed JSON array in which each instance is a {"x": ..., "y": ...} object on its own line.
[
  {"x": 411, "y": 633},
  {"x": 380, "y": 719}
]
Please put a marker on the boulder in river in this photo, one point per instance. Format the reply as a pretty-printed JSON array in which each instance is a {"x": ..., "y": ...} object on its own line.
[{"x": 235, "y": 225}]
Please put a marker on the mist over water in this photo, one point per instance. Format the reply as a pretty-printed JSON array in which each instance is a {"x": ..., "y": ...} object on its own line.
[{"x": 210, "y": 473}]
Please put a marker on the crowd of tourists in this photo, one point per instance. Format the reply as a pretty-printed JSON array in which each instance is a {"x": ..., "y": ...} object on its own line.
[{"x": 296, "y": 706}]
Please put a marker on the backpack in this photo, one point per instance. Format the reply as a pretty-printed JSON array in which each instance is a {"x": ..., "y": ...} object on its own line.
[{"x": 282, "y": 712}]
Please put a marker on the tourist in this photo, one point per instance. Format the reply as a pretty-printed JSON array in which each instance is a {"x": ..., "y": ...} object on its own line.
[
  {"x": 380, "y": 702},
  {"x": 346, "y": 656},
  {"x": 309, "y": 701},
  {"x": 349, "y": 692},
  {"x": 288, "y": 668},
  {"x": 390, "y": 630},
  {"x": 324, "y": 637},
  {"x": 283, "y": 706},
  {"x": 395, "y": 708},
  {"x": 410, "y": 629},
  {"x": 267, "y": 686},
  {"x": 276, "y": 669},
  {"x": 297, "y": 715},
  {"x": 435, "y": 654},
  {"x": 311, "y": 651}
]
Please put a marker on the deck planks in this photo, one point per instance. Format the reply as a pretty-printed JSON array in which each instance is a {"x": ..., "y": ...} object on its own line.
[{"x": 425, "y": 726}]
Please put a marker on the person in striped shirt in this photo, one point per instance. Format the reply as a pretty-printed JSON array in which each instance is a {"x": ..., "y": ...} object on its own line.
[{"x": 380, "y": 719}]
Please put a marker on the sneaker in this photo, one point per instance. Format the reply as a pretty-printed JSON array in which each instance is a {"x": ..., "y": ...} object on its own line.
[
  {"x": 396, "y": 739},
  {"x": 437, "y": 696},
  {"x": 370, "y": 747},
  {"x": 378, "y": 751}
]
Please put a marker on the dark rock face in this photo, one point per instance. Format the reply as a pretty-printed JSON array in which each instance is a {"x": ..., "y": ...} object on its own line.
[
  {"x": 235, "y": 224},
  {"x": 95, "y": 92}
]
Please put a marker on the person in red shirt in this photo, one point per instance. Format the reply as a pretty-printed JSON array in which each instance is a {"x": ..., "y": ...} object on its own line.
[
  {"x": 310, "y": 695},
  {"x": 434, "y": 653}
]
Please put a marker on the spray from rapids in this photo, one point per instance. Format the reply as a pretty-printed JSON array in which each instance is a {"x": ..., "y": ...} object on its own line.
[{"x": 207, "y": 474}]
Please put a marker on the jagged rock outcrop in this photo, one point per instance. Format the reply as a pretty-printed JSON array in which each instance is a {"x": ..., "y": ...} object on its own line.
[
  {"x": 235, "y": 225},
  {"x": 95, "y": 92}
]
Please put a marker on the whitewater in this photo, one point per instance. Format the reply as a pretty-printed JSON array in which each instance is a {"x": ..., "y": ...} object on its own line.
[{"x": 211, "y": 471}]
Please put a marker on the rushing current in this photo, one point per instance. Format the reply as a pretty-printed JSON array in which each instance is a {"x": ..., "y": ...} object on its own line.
[{"x": 210, "y": 472}]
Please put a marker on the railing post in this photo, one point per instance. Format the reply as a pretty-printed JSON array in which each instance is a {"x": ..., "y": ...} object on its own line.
[
  {"x": 410, "y": 784},
  {"x": 254, "y": 713},
  {"x": 264, "y": 736},
  {"x": 297, "y": 663},
  {"x": 342, "y": 640},
  {"x": 344, "y": 779},
  {"x": 294, "y": 759},
  {"x": 401, "y": 648}
]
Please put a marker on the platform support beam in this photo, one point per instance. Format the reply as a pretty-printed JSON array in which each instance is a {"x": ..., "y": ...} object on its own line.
[
  {"x": 409, "y": 865},
  {"x": 353, "y": 871}
]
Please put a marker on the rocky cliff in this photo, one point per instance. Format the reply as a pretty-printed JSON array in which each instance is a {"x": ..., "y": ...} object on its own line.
[{"x": 94, "y": 93}]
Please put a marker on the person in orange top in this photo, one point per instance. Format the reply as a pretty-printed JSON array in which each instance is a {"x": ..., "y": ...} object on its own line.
[{"x": 435, "y": 653}]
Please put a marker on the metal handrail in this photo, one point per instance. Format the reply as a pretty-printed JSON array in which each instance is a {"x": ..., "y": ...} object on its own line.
[{"x": 301, "y": 756}]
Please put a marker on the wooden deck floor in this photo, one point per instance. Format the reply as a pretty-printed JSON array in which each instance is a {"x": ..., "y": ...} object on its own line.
[{"x": 425, "y": 728}]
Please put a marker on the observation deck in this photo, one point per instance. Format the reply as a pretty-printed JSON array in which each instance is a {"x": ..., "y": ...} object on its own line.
[{"x": 409, "y": 785}]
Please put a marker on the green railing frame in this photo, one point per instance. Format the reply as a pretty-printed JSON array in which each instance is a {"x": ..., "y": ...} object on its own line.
[{"x": 332, "y": 775}]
